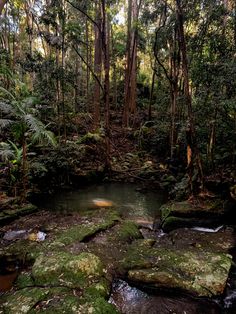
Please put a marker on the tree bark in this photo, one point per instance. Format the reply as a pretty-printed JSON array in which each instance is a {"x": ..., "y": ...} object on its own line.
[
  {"x": 97, "y": 66},
  {"x": 106, "y": 59},
  {"x": 131, "y": 61},
  {"x": 2, "y": 3},
  {"x": 192, "y": 149}
]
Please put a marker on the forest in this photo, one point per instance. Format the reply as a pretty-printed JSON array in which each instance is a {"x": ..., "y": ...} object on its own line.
[{"x": 107, "y": 106}]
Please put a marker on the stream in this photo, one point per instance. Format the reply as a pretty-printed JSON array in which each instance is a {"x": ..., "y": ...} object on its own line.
[
  {"x": 130, "y": 199},
  {"x": 143, "y": 207},
  {"x": 136, "y": 204}
]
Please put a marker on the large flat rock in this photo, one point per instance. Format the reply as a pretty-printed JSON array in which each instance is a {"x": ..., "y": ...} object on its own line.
[
  {"x": 198, "y": 272},
  {"x": 188, "y": 214}
]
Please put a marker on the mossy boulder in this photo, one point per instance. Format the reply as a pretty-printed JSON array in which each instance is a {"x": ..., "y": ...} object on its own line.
[
  {"x": 186, "y": 214},
  {"x": 172, "y": 223},
  {"x": 54, "y": 300},
  {"x": 125, "y": 232},
  {"x": 80, "y": 232},
  {"x": 61, "y": 268},
  {"x": 12, "y": 212},
  {"x": 24, "y": 280},
  {"x": 61, "y": 282},
  {"x": 24, "y": 300},
  {"x": 200, "y": 273}
]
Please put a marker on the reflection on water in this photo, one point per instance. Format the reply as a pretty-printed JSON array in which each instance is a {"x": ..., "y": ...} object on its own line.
[
  {"x": 130, "y": 300},
  {"x": 125, "y": 197},
  {"x": 8, "y": 271}
]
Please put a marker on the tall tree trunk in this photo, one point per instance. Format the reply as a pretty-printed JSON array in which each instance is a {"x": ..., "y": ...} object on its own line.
[
  {"x": 114, "y": 76},
  {"x": 63, "y": 52},
  {"x": 174, "y": 81},
  {"x": 106, "y": 59},
  {"x": 131, "y": 61},
  {"x": 127, "y": 69},
  {"x": 87, "y": 60},
  {"x": 97, "y": 66},
  {"x": 192, "y": 149}
]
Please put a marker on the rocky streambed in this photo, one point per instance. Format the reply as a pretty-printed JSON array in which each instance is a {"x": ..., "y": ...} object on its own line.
[{"x": 100, "y": 262}]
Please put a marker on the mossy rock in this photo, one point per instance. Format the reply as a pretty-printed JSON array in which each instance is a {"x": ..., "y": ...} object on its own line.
[
  {"x": 24, "y": 280},
  {"x": 21, "y": 211},
  {"x": 25, "y": 249},
  {"x": 54, "y": 300},
  {"x": 10, "y": 214},
  {"x": 172, "y": 223},
  {"x": 185, "y": 214},
  {"x": 24, "y": 300},
  {"x": 125, "y": 232},
  {"x": 96, "y": 306},
  {"x": 187, "y": 209},
  {"x": 61, "y": 268},
  {"x": 200, "y": 273},
  {"x": 80, "y": 232}
]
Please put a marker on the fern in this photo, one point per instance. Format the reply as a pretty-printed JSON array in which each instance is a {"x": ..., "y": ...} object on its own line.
[
  {"x": 6, "y": 152},
  {"x": 4, "y": 123}
]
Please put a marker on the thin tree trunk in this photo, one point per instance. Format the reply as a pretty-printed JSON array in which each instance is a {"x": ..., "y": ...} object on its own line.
[
  {"x": 114, "y": 78},
  {"x": 2, "y": 3},
  {"x": 192, "y": 149},
  {"x": 151, "y": 94},
  {"x": 24, "y": 170}
]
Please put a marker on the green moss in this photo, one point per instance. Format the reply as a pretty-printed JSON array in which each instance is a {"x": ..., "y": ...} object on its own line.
[
  {"x": 98, "y": 289},
  {"x": 25, "y": 249},
  {"x": 80, "y": 232},
  {"x": 24, "y": 300},
  {"x": 20, "y": 211},
  {"x": 201, "y": 273},
  {"x": 24, "y": 280},
  {"x": 97, "y": 306},
  {"x": 171, "y": 223},
  {"x": 67, "y": 269},
  {"x": 185, "y": 209},
  {"x": 165, "y": 210},
  {"x": 125, "y": 232},
  {"x": 55, "y": 300},
  {"x": 58, "y": 303}
]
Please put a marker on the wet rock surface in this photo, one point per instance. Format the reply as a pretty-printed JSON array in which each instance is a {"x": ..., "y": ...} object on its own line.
[
  {"x": 197, "y": 272},
  {"x": 73, "y": 269},
  {"x": 129, "y": 299}
]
